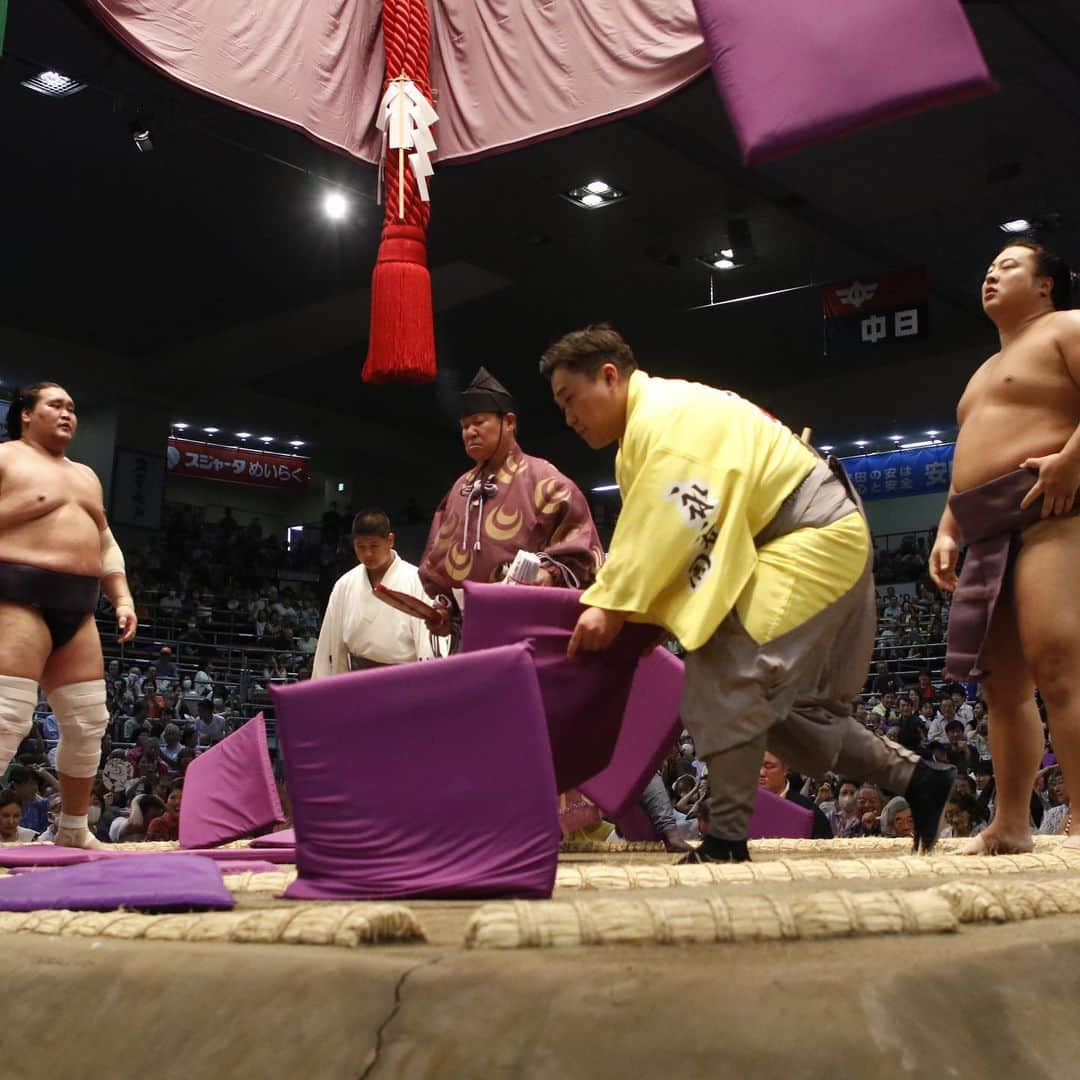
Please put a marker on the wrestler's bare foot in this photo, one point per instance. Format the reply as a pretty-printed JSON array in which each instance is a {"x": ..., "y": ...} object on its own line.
[
  {"x": 78, "y": 838},
  {"x": 993, "y": 841}
]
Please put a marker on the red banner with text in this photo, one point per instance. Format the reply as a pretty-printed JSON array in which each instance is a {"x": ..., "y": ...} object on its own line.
[{"x": 237, "y": 465}]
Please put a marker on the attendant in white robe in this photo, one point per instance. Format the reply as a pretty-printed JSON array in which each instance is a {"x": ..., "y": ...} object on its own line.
[{"x": 358, "y": 629}]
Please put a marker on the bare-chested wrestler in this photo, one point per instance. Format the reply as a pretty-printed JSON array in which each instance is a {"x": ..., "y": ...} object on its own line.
[
  {"x": 1015, "y": 621},
  {"x": 56, "y": 553}
]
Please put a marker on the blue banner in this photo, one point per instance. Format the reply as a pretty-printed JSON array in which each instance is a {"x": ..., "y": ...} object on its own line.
[{"x": 897, "y": 473}]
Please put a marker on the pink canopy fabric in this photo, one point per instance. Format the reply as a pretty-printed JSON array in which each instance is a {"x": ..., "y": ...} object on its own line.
[
  {"x": 506, "y": 73},
  {"x": 421, "y": 780},
  {"x": 584, "y": 697},
  {"x": 791, "y": 71},
  {"x": 161, "y": 882},
  {"x": 845, "y": 64},
  {"x": 229, "y": 791}
]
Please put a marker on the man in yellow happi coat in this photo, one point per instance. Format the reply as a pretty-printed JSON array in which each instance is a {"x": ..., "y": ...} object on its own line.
[{"x": 741, "y": 541}]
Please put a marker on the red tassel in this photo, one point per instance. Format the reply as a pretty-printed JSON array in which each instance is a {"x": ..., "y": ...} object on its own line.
[{"x": 401, "y": 341}]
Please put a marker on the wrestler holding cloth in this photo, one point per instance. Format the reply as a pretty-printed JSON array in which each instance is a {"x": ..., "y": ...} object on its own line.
[
  {"x": 737, "y": 538},
  {"x": 56, "y": 553},
  {"x": 1015, "y": 622}
]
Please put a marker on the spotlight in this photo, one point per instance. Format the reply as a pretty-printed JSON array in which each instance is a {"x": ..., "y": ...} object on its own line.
[
  {"x": 724, "y": 264},
  {"x": 53, "y": 84},
  {"x": 243, "y": 434},
  {"x": 933, "y": 434},
  {"x": 826, "y": 449},
  {"x": 1016, "y": 226},
  {"x": 594, "y": 194},
  {"x": 180, "y": 426},
  {"x": 296, "y": 442},
  {"x": 335, "y": 206},
  {"x": 896, "y": 438},
  {"x": 211, "y": 430},
  {"x": 861, "y": 443},
  {"x": 266, "y": 438}
]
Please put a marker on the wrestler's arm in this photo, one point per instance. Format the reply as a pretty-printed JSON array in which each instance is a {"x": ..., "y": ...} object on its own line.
[
  {"x": 114, "y": 582},
  {"x": 1059, "y": 474}
]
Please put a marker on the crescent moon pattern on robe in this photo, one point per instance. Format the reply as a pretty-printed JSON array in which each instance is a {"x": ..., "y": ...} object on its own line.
[
  {"x": 503, "y": 525},
  {"x": 510, "y": 468},
  {"x": 550, "y": 494},
  {"x": 458, "y": 564}
]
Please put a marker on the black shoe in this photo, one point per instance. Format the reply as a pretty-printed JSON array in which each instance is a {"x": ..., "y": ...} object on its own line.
[
  {"x": 928, "y": 795},
  {"x": 713, "y": 849}
]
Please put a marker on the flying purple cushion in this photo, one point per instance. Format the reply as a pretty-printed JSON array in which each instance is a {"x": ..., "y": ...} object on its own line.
[
  {"x": 229, "y": 790},
  {"x": 651, "y": 723},
  {"x": 171, "y": 882},
  {"x": 584, "y": 697},
  {"x": 427, "y": 779},
  {"x": 778, "y": 817},
  {"x": 796, "y": 72}
]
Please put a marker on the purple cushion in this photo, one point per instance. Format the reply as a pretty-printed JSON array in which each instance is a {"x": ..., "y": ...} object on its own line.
[
  {"x": 651, "y": 723},
  {"x": 795, "y": 72},
  {"x": 229, "y": 790},
  {"x": 141, "y": 881},
  {"x": 47, "y": 855},
  {"x": 429, "y": 779},
  {"x": 584, "y": 697},
  {"x": 778, "y": 817}
]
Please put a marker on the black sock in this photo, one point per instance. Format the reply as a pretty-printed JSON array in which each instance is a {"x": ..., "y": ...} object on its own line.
[{"x": 719, "y": 850}]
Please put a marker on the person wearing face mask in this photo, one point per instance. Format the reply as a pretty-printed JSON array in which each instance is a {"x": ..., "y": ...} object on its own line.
[
  {"x": 189, "y": 696},
  {"x": 844, "y": 817},
  {"x": 507, "y": 502}
]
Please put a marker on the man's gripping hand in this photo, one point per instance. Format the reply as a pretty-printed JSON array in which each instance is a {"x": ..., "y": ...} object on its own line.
[
  {"x": 596, "y": 629},
  {"x": 1059, "y": 477}
]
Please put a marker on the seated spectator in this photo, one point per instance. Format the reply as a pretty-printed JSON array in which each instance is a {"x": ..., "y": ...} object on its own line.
[
  {"x": 964, "y": 757},
  {"x": 170, "y": 603},
  {"x": 774, "y": 776},
  {"x": 961, "y": 707},
  {"x": 946, "y": 713},
  {"x": 924, "y": 687},
  {"x": 133, "y": 828},
  {"x": 844, "y": 819},
  {"x": 167, "y": 826},
  {"x": 165, "y": 667},
  {"x": 883, "y": 681},
  {"x": 25, "y": 784},
  {"x": 209, "y": 725},
  {"x": 896, "y": 818},
  {"x": 885, "y": 710},
  {"x": 49, "y": 835},
  {"x": 868, "y": 806},
  {"x": 171, "y": 746},
  {"x": 203, "y": 684},
  {"x": 11, "y": 809},
  {"x": 962, "y": 817}
]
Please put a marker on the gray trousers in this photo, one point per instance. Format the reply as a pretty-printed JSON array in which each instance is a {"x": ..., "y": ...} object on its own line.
[
  {"x": 791, "y": 696},
  {"x": 655, "y": 803}
]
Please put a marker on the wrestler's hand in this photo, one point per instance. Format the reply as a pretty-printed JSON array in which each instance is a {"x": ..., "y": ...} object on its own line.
[
  {"x": 943, "y": 562},
  {"x": 1059, "y": 477},
  {"x": 595, "y": 631},
  {"x": 126, "y": 623},
  {"x": 439, "y": 623}
]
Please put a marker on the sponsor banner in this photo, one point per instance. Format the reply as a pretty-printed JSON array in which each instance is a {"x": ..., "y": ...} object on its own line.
[
  {"x": 237, "y": 465},
  {"x": 898, "y": 473},
  {"x": 885, "y": 310}
]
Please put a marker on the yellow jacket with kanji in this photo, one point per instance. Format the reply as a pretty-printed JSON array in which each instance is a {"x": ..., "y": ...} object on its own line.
[{"x": 701, "y": 471}]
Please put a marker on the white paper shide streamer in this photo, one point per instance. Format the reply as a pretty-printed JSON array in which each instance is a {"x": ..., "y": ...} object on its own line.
[{"x": 405, "y": 118}]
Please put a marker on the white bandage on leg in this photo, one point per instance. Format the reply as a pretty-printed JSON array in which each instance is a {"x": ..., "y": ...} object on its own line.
[
  {"x": 17, "y": 700},
  {"x": 83, "y": 717}
]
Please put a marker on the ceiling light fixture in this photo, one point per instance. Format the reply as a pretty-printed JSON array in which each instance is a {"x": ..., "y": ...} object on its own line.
[
  {"x": 594, "y": 194},
  {"x": 861, "y": 442},
  {"x": 606, "y": 487},
  {"x": 180, "y": 426},
  {"x": 920, "y": 444},
  {"x": 53, "y": 84},
  {"x": 243, "y": 434},
  {"x": 266, "y": 438},
  {"x": 211, "y": 430},
  {"x": 825, "y": 449},
  {"x": 335, "y": 206},
  {"x": 140, "y": 135},
  {"x": 724, "y": 264},
  {"x": 296, "y": 442},
  {"x": 1016, "y": 226},
  {"x": 896, "y": 438},
  {"x": 933, "y": 434}
]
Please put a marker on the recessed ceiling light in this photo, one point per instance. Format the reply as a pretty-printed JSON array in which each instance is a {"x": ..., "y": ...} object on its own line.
[
  {"x": 861, "y": 442},
  {"x": 53, "y": 84},
  {"x": 1017, "y": 225},
  {"x": 266, "y": 438},
  {"x": 243, "y": 434},
  {"x": 211, "y": 430},
  {"x": 180, "y": 426},
  {"x": 933, "y": 434},
  {"x": 896, "y": 438},
  {"x": 296, "y": 442},
  {"x": 335, "y": 206},
  {"x": 594, "y": 194},
  {"x": 724, "y": 264},
  {"x": 825, "y": 448}
]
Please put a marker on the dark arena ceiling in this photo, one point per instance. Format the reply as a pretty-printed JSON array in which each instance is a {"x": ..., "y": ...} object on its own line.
[{"x": 206, "y": 271}]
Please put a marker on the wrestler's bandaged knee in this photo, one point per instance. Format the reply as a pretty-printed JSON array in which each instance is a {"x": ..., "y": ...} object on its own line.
[
  {"x": 17, "y": 700},
  {"x": 82, "y": 715},
  {"x": 112, "y": 558}
]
